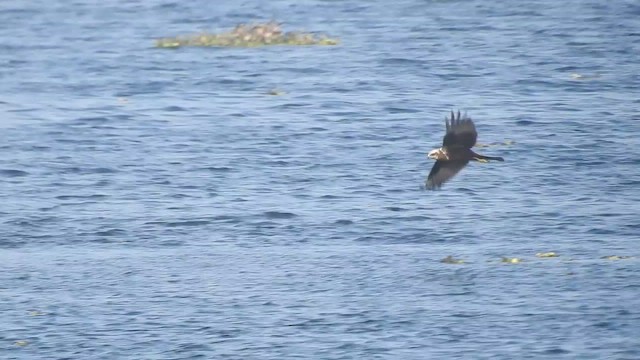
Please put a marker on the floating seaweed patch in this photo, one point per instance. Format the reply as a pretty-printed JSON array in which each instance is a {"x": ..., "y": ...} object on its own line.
[
  {"x": 247, "y": 35},
  {"x": 547, "y": 254},
  {"x": 451, "y": 260}
]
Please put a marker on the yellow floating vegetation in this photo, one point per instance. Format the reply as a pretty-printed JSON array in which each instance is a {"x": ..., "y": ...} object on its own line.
[
  {"x": 547, "y": 254},
  {"x": 509, "y": 260},
  {"x": 451, "y": 260},
  {"x": 248, "y": 35}
]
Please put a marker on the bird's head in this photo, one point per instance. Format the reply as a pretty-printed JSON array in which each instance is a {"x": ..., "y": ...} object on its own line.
[{"x": 437, "y": 154}]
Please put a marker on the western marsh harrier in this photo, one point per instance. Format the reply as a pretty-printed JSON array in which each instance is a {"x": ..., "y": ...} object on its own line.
[{"x": 455, "y": 152}]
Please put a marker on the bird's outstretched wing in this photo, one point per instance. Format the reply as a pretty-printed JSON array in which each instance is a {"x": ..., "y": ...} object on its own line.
[
  {"x": 461, "y": 132},
  {"x": 442, "y": 171}
]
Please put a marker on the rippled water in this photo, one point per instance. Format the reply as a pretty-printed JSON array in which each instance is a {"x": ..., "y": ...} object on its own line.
[{"x": 160, "y": 204}]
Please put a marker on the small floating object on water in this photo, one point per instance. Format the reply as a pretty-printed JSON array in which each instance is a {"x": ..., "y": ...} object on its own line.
[
  {"x": 451, "y": 260},
  {"x": 506, "y": 142},
  {"x": 21, "y": 343},
  {"x": 509, "y": 260},
  {"x": 547, "y": 254},
  {"x": 36, "y": 313},
  {"x": 616, "y": 257},
  {"x": 248, "y": 35},
  {"x": 576, "y": 76},
  {"x": 275, "y": 92}
]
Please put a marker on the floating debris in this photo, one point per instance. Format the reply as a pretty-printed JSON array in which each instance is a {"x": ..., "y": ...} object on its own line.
[
  {"x": 503, "y": 143},
  {"x": 547, "y": 254},
  {"x": 509, "y": 260},
  {"x": 576, "y": 76},
  {"x": 21, "y": 343},
  {"x": 36, "y": 313},
  {"x": 275, "y": 92},
  {"x": 248, "y": 35},
  {"x": 451, "y": 260},
  {"x": 616, "y": 257}
]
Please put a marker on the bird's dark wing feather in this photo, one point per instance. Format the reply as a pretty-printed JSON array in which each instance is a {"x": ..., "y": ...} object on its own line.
[
  {"x": 442, "y": 171},
  {"x": 460, "y": 131}
]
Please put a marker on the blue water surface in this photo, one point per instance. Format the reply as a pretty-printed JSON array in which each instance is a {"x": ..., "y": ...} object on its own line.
[{"x": 161, "y": 204}]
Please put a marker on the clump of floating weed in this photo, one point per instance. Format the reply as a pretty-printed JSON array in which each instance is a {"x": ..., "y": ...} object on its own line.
[
  {"x": 451, "y": 260},
  {"x": 247, "y": 35}
]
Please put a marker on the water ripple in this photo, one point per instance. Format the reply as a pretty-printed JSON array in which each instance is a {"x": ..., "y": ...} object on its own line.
[{"x": 13, "y": 173}]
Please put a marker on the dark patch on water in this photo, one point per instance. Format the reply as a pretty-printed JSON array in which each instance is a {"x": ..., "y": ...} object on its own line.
[
  {"x": 81, "y": 197},
  {"x": 174, "y": 108},
  {"x": 556, "y": 351},
  {"x": 186, "y": 223},
  {"x": 111, "y": 232},
  {"x": 344, "y": 222},
  {"x": 13, "y": 173},
  {"x": 279, "y": 215},
  {"x": 397, "y": 110},
  {"x": 395, "y": 208},
  {"x": 97, "y": 119}
]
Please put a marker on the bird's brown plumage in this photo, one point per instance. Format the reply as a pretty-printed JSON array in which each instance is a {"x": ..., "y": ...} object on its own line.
[{"x": 455, "y": 153}]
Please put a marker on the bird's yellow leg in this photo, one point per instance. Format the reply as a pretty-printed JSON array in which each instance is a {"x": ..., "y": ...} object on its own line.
[{"x": 481, "y": 160}]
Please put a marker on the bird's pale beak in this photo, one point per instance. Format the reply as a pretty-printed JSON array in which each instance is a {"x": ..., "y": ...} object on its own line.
[{"x": 433, "y": 154}]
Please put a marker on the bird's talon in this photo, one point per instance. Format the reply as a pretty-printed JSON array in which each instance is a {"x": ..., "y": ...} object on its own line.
[{"x": 481, "y": 160}]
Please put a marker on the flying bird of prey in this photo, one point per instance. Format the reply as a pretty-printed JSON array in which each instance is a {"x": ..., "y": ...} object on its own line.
[{"x": 455, "y": 152}]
